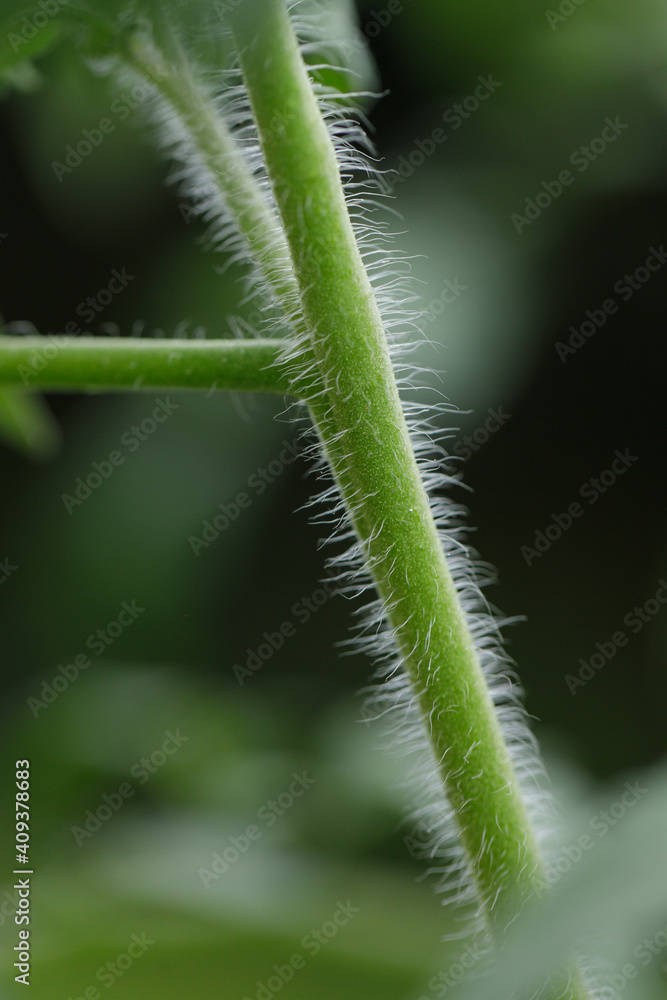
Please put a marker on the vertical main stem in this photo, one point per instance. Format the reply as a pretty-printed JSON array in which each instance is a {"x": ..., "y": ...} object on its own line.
[{"x": 360, "y": 414}]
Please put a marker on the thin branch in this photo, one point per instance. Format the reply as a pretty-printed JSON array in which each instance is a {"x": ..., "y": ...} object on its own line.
[{"x": 110, "y": 364}]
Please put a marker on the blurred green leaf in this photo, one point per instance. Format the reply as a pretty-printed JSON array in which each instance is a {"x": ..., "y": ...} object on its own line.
[
  {"x": 17, "y": 51},
  {"x": 610, "y": 901},
  {"x": 26, "y": 423}
]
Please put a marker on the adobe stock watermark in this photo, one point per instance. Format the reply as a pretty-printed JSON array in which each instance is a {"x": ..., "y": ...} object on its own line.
[
  {"x": 30, "y": 26},
  {"x": 419, "y": 843},
  {"x": 442, "y": 982},
  {"x": 451, "y": 290},
  {"x": 97, "y": 642},
  {"x": 257, "y": 483},
  {"x": 591, "y": 491},
  {"x": 465, "y": 447},
  {"x": 624, "y": 288},
  {"x": 645, "y": 952},
  {"x": 8, "y": 906},
  {"x": 142, "y": 771},
  {"x": 302, "y": 610},
  {"x": 565, "y": 10},
  {"x": 7, "y": 569},
  {"x": 131, "y": 440},
  {"x": 313, "y": 942},
  {"x": 87, "y": 310},
  {"x": 111, "y": 972},
  {"x": 377, "y": 21},
  {"x": 454, "y": 118},
  {"x": 92, "y": 138},
  {"x": 581, "y": 158},
  {"x": 600, "y": 825},
  {"x": 267, "y": 815},
  {"x": 634, "y": 620},
  {"x": 199, "y": 202}
]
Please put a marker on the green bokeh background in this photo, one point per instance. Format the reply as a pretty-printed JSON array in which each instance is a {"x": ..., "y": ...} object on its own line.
[{"x": 494, "y": 347}]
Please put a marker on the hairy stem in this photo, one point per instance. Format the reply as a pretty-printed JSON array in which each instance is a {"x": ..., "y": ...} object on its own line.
[
  {"x": 106, "y": 364},
  {"x": 220, "y": 156},
  {"x": 222, "y": 160},
  {"x": 363, "y": 420}
]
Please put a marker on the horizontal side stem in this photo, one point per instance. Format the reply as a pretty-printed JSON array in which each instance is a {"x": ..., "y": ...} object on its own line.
[{"x": 117, "y": 363}]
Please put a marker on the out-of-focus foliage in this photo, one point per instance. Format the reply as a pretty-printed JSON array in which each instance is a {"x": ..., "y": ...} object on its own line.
[{"x": 494, "y": 346}]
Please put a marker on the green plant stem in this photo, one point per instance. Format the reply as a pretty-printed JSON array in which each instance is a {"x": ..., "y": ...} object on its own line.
[
  {"x": 379, "y": 476},
  {"x": 219, "y": 154},
  {"x": 244, "y": 199},
  {"x": 106, "y": 364}
]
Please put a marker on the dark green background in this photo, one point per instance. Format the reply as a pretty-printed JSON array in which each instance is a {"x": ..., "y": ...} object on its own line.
[{"x": 494, "y": 346}]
